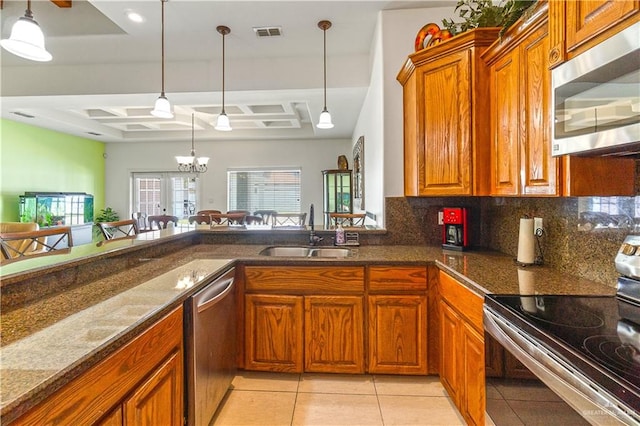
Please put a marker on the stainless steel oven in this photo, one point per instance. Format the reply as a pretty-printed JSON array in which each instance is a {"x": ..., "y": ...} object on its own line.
[
  {"x": 596, "y": 98},
  {"x": 586, "y": 349}
]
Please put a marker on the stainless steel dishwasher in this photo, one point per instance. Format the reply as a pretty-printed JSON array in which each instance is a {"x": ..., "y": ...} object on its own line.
[{"x": 210, "y": 347}]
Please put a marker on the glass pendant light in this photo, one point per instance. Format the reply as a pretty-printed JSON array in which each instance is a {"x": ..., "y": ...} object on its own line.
[
  {"x": 162, "y": 108},
  {"x": 325, "y": 118},
  {"x": 26, "y": 39},
  {"x": 222, "y": 123}
]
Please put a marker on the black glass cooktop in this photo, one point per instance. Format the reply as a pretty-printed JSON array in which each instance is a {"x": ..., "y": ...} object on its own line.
[{"x": 596, "y": 334}]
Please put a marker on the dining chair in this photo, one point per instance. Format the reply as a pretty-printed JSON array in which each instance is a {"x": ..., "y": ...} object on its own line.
[
  {"x": 297, "y": 220},
  {"x": 253, "y": 220},
  {"x": 141, "y": 220},
  {"x": 266, "y": 215},
  {"x": 347, "y": 220},
  {"x": 237, "y": 217},
  {"x": 162, "y": 221},
  {"x": 200, "y": 219},
  {"x": 119, "y": 229},
  {"x": 210, "y": 212},
  {"x": 19, "y": 245}
]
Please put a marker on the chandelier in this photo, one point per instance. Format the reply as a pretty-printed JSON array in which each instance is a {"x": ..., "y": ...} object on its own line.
[{"x": 189, "y": 163}]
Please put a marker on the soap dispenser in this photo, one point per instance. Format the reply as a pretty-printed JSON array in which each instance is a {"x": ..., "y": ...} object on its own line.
[{"x": 339, "y": 234}]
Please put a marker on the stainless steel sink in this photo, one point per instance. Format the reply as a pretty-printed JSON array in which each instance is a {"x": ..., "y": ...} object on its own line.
[{"x": 287, "y": 251}]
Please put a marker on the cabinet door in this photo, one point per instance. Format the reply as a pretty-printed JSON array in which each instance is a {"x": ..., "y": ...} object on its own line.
[
  {"x": 586, "y": 20},
  {"x": 505, "y": 104},
  {"x": 445, "y": 123},
  {"x": 450, "y": 351},
  {"x": 158, "y": 400},
  {"x": 398, "y": 334},
  {"x": 540, "y": 170},
  {"x": 114, "y": 418},
  {"x": 273, "y": 333},
  {"x": 334, "y": 338},
  {"x": 472, "y": 402}
]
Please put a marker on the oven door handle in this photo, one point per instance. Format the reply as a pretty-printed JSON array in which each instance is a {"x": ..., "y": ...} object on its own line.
[{"x": 585, "y": 396}]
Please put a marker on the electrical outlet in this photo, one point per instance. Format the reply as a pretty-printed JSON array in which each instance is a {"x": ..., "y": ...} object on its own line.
[
  {"x": 538, "y": 228},
  {"x": 440, "y": 218}
]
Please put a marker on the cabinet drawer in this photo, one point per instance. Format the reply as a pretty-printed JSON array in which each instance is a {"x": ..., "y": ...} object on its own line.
[
  {"x": 303, "y": 279},
  {"x": 467, "y": 303},
  {"x": 397, "y": 278}
]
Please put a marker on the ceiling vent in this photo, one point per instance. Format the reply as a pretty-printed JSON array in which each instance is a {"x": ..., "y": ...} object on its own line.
[
  {"x": 23, "y": 114},
  {"x": 268, "y": 31}
]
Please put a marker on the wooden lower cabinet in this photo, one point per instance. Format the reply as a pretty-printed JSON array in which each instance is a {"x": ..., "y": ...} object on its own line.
[
  {"x": 274, "y": 333},
  {"x": 462, "y": 352},
  {"x": 140, "y": 384},
  {"x": 304, "y": 319},
  {"x": 472, "y": 399},
  {"x": 152, "y": 403},
  {"x": 398, "y": 334},
  {"x": 334, "y": 341},
  {"x": 397, "y": 320}
]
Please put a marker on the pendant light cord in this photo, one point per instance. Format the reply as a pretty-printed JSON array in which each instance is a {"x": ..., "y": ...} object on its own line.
[
  {"x": 162, "y": 44},
  {"x": 193, "y": 149},
  {"x": 223, "y": 37},
  {"x": 28, "y": 12},
  {"x": 324, "y": 33}
]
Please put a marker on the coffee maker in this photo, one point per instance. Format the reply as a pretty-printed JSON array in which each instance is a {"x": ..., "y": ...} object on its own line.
[{"x": 455, "y": 232}]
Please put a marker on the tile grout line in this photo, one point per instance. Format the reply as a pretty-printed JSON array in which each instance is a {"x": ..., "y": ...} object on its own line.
[{"x": 375, "y": 387}]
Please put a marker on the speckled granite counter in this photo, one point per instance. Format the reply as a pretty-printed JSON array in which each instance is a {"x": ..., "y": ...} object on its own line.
[{"x": 48, "y": 342}]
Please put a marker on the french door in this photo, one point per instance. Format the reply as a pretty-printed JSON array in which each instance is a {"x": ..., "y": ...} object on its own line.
[{"x": 165, "y": 193}]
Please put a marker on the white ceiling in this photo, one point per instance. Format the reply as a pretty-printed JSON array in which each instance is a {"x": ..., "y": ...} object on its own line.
[{"x": 105, "y": 72}]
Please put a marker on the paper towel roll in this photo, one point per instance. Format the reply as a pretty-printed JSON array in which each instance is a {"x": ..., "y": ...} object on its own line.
[
  {"x": 526, "y": 242},
  {"x": 527, "y": 289}
]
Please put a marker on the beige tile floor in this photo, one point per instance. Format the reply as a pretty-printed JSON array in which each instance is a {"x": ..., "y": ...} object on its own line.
[{"x": 332, "y": 399}]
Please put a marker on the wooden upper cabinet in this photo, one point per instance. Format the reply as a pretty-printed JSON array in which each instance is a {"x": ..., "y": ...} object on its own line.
[
  {"x": 520, "y": 92},
  {"x": 577, "y": 25},
  {"x": 446, "y": 108}
]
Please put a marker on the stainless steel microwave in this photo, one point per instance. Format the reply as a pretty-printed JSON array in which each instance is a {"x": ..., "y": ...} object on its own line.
[{"x": 596, "y": 99}]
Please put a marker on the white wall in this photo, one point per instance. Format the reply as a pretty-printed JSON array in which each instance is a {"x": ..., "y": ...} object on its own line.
[
  {"x": 371, "y": 125},
  {"x": 311, "y": 156},
  {"x": 381, "y": 119},
  {"x": 399, "y": 29}
]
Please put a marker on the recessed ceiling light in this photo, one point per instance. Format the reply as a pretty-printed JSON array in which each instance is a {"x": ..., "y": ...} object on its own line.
[{"x": 134, "y": 16}]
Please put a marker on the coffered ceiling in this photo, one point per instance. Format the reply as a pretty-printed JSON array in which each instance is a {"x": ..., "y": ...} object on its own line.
[{"x": 105, "y": 73}]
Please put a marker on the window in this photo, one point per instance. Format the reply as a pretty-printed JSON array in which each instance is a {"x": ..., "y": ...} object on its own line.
[
  {"x": 159, "y": 193},
  {"x": 264, "y": 190}
]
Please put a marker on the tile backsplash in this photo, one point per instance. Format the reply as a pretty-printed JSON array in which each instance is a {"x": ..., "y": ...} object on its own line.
[{"x": 567, "y": 244}]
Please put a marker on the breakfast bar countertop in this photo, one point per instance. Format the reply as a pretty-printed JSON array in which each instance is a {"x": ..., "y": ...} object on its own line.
[{"x": 48, "y": 342}]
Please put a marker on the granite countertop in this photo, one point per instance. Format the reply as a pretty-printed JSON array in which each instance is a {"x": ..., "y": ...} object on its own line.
[{"x": 47, "y": 343}]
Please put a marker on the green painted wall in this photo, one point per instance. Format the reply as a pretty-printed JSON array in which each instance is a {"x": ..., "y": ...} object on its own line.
[{"x": 36, "y": 159}]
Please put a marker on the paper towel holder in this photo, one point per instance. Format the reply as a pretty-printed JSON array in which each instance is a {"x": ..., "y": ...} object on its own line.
[{"x": 529, "y": 244}]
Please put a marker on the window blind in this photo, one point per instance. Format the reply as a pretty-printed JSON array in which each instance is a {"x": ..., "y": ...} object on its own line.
[{"x": 264, "y": 190}]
